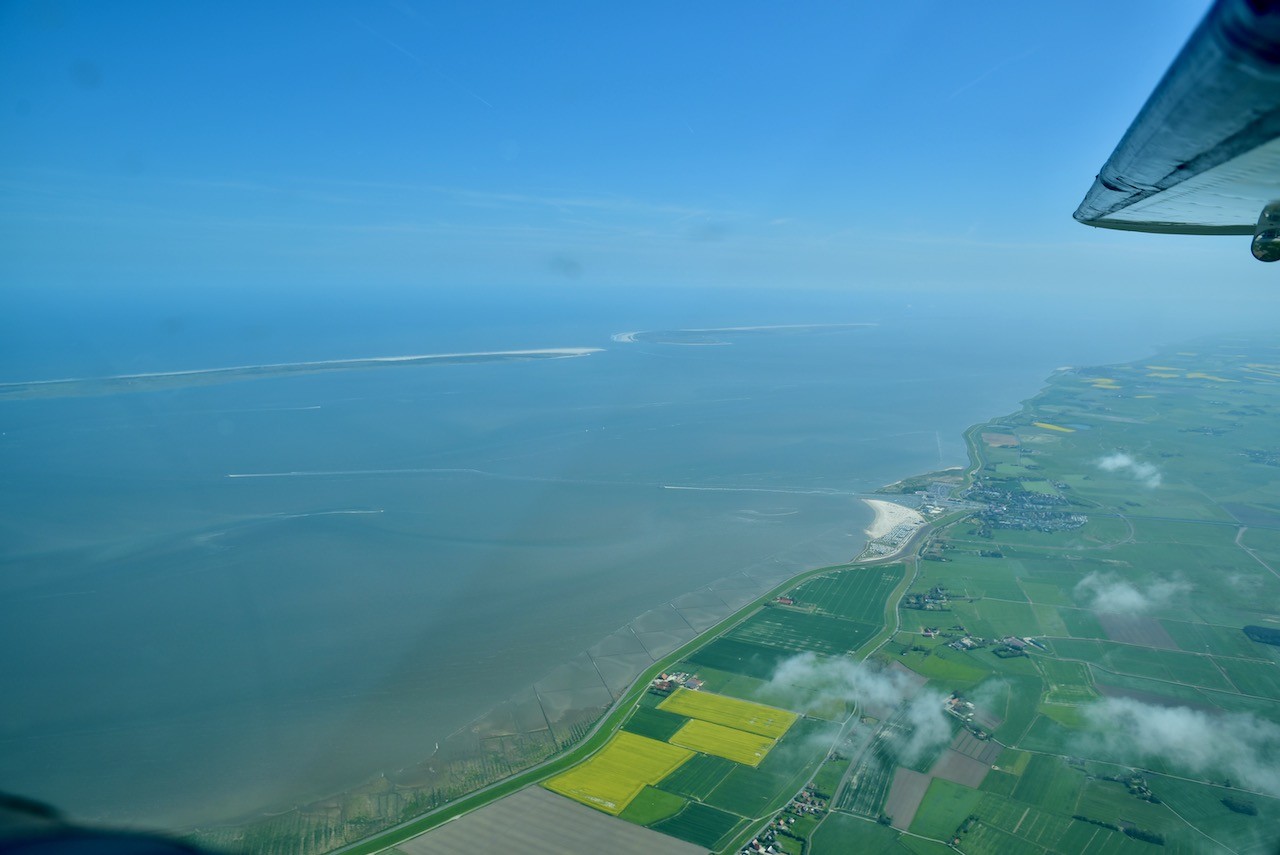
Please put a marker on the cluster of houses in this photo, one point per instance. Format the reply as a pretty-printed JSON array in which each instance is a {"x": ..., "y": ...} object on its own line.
[
  {"x": 964, "y": 710},
  {"x": 1009, "y": 647},
  {"x": 757, "y": 846},
  {"x": 1006, "y": 647},
  {"x": 1266, "y": 457},
  {"x": 1136, "y": 784},
  {"x": 968, "y": 642},
  {"x": 808, "y": 802},
  {"x": 1012, "y": 646},
  {"x": 939, "y": 499},
  {"x": 765, "y": 844},
  {"x": 666, "y": 683},
  {"x": 1027, "y": 511},
  {"x": 933, "y": 600},
  {"x": 959, "y": 707}
]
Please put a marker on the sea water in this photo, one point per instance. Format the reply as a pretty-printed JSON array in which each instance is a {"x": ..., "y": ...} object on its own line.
[{"x": 227, "y": 600}]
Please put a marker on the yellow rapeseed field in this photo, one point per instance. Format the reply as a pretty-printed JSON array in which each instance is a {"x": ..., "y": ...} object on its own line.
[
  {"x": 730, "y": 712},
  {"x": 727, "y": 742},
  {"x": 614, "y": 776},
  {"x": 1048, "y": 426}
]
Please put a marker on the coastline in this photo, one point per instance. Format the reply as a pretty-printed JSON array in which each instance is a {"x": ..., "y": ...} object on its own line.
[
  {"x": 892, "y": 514},
  {"x": 423, "y": 781},
  {"x": 895, "y": 527},
  {"x": 889, "y": 515},
  {"x": 608, "y": 724},
  {"x": 885, "y": 513}
]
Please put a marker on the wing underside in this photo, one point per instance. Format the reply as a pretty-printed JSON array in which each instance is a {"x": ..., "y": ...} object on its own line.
[{"x": 1203, "y": 155}]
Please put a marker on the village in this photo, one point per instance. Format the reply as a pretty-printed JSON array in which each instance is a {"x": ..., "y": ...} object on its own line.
[
  {"x": 808, "y": 802},
  {"x": 1023, "y": 510}
]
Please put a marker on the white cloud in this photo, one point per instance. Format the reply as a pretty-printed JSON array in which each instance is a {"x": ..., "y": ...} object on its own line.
[
  {"x": 1107, "y": 592},
  {"x": 878, "y": 692},
  {"x": 1146, "y": 473},
  {"x": 1243, "y": 582},
  {"x": 1244, "y": 748}
]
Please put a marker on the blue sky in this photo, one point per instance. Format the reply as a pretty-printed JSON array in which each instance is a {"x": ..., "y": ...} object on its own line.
[{"x": 178, "y": 147}]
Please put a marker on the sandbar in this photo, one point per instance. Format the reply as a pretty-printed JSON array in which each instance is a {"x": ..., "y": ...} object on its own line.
[
  {"x": 692, "y": 336},
  {"x": 85, "y": 386}
]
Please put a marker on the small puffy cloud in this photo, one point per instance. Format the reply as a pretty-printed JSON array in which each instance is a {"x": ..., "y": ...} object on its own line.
[
  {"x": 1145, "y": 473},
  {"x": 1242, "y": 747},
  {"x": 1107, "y": 592},
  {"x": 989, "y": 695},
  {"x": 1244, "y": 583},
  {"x": 879, "y": 692}
]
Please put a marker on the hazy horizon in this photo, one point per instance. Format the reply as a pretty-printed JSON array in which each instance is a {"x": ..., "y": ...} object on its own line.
[{"x": 223, "y": 189}]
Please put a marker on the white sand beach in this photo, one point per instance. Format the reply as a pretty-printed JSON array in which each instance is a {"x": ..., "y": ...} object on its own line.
[{"x": 889, "y": 515}]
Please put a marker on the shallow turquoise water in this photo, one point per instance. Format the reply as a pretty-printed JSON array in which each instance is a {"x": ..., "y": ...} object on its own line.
[{"x": 183, "y": 647}]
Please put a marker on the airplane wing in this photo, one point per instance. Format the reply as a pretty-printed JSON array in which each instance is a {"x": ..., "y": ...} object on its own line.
[{"x": 1203, "y": 155}]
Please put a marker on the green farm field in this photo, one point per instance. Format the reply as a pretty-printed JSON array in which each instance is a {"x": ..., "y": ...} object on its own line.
[
  {"x": 1141, "y": 606},
  {"x": 652, "y": 805},
  {"x": 767, "y": 787},
  {"x": 945, "y": 806},
  {"x": 797, "y": 632},
  {"x": 698, "y": 777},
  {"x": 700, "y": 824},
  {"x": 1132, "y": 529},
  {"x": 654, "y": 723},
  {"x": 844, "y": 833},
  {"x": 856, "y": 594},
  {"x": 736, "y": 656}
]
